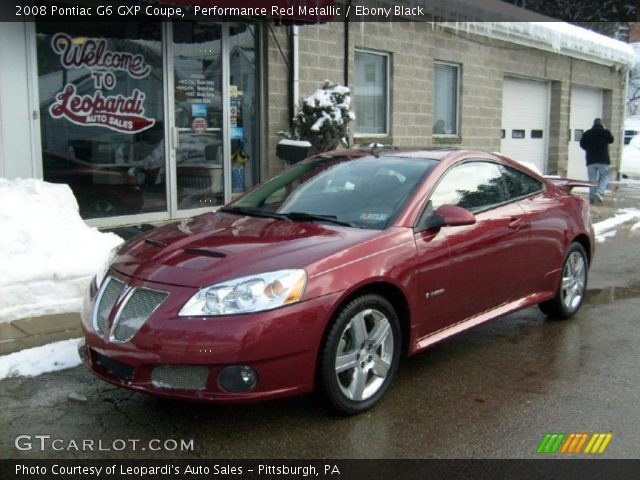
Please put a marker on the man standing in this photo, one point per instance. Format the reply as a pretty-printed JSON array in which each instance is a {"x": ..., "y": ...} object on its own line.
[{"x": 595, "y": 142}]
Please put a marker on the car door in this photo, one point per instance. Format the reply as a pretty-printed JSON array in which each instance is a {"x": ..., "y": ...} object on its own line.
[
  {"x": 548, "y": 222},
  {"x": 484, "y": 261}
]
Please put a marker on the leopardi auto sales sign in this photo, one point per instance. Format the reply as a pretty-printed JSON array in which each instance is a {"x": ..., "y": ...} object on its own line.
[{"x": 118, "y": 112}]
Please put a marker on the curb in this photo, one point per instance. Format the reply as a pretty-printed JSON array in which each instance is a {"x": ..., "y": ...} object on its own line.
[{"x": 34, "y": 332}]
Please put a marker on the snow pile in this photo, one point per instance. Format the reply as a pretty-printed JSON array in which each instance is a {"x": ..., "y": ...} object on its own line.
[
  {"x": 557, "y": 37},
  {"x": 606, "y": 228},
  {"x": 48, "y": 255},
  {"x": 36, "y": 361},
  {"x": 294, "y": 143}
]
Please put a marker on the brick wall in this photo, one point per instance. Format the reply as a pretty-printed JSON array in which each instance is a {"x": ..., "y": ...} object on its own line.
[
  {"x": 634, "y": 32},
  {"x": 413, "y": 48}
]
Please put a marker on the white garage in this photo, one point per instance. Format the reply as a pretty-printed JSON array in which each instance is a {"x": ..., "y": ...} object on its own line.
[
  {"x": 525, "y": 121},
  {"x": 586, "y": 105}
]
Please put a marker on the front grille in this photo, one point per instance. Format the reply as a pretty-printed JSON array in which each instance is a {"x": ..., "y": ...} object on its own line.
[
  {"x": 138, "y": 307},
  {"x": 114, "y": 367},
  {"x": 180, "y": 377},
  {"x": 105, "y": 301}
]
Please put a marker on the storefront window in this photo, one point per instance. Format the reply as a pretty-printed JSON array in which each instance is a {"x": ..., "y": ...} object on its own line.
[
  {"x": 243, "y": 108},
  {"x": 102, "y": 115},
  {"x": 197, "y": 60}
]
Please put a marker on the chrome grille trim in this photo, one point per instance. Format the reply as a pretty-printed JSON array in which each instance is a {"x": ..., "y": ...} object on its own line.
[
  {"x": 139, "y": 303},
  {"x": 180, "y": 377},
  {"x": 104, "y": 303}
]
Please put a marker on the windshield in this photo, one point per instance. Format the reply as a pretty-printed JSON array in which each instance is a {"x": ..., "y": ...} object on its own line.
[{"x": 366, "y": 192}]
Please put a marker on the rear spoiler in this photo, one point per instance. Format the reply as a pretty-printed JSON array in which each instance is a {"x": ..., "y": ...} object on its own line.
[{"x": 568, "y": 184}]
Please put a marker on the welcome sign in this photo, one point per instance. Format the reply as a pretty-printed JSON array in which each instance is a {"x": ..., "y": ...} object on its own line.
[{"x": 118, "y": 112}]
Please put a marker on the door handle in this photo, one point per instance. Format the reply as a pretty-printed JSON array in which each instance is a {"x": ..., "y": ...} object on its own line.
[{"x": 515, "y": 223}]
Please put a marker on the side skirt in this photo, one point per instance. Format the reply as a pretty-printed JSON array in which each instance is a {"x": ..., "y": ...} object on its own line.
[{"x": 479, "y": 319}]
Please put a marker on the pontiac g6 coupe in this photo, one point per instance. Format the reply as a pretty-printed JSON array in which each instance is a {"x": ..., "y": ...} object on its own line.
[{"x": 326, "y": 275}]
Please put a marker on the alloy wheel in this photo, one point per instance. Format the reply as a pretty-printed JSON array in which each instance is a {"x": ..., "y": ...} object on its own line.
[
  {"x": 364, "y": 354},
  {"x": 574, "y": 280}
]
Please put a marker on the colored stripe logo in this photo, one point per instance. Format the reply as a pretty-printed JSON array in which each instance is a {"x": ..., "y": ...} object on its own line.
[{"x": 573, "y": 443}]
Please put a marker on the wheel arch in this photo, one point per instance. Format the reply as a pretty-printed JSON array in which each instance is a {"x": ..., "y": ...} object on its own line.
[
  {"x": 583, "y": 240},
  {"x": 393, "y": 294}
]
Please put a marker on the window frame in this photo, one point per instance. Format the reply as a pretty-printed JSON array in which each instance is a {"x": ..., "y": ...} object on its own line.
[
  {"x": 504, "y": 168},
  {"x": 501, "y": 166},
  {"x": 387, "y": 56},
  {"x": 458, "y": 67},
  {"x": 466, "y": 162}
]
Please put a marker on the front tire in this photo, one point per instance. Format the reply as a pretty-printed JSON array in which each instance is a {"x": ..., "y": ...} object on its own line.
[
  {"x": 360, "y": 354},
  {"x": 573, "y": 285}
]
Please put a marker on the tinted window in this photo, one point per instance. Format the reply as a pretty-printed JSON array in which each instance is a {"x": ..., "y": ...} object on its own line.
[
  {"x": 367, "y": 192},
  {"x": 519, "y": 183},
  {"x": 474, "y": 186}
]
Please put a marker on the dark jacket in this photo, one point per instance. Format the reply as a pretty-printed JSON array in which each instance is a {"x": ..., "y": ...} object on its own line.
[{"x": 595, "y": 142}]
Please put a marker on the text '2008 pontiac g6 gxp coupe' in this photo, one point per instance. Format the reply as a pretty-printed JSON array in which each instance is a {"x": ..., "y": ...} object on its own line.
[{"x": 325, "y": 275}]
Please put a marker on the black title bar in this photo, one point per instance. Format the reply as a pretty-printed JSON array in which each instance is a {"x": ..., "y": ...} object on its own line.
[
  {"x": 321, "y": 469},
  {"x": 311, "y": 11}
]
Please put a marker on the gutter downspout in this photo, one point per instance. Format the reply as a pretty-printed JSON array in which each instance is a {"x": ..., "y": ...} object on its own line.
[
  {"x": 346, "y": 49},
  {"x": 294, "y": 72},
  {"x": 627, "y": 74}
]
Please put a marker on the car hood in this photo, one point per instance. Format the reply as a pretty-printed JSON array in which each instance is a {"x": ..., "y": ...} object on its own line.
[{"x": 214, "y": 247}]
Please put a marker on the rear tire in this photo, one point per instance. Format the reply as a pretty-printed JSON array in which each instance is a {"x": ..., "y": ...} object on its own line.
[
  {"x": 360, "y": 354},
  {"x": 572, "y": 287}
]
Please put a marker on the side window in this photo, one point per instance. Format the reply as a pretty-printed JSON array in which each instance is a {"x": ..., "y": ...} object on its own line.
[
  {"x": 519, "y": 184},
  {"x": 474, "y": 186}
]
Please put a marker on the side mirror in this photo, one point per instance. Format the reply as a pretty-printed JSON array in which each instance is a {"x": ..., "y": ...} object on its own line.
[{"x": 447, "y": 216}]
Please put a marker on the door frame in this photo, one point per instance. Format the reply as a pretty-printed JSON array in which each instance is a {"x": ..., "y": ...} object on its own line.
[{"x": 171, "y": 133}]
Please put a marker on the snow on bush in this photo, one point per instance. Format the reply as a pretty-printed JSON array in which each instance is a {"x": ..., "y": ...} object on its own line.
[
  {"x": 48, "y": 255},
  {"x": 323, "y": 118}
]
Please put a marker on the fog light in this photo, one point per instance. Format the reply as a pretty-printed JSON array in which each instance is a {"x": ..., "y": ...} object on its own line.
[{"x": 238, "y": 379}]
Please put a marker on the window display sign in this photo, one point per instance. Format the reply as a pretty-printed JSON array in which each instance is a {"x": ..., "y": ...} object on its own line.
[
  {"x": 196, "y": 88},
  {"x": 122, "y": 113}
]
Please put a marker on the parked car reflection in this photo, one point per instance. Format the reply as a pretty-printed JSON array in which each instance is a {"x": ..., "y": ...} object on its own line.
[{"x": 102, "y": 190}]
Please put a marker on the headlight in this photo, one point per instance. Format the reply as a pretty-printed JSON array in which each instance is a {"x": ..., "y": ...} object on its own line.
[
  {"x": 256, "y": 293},
  {"x": 102, "y": 272}
]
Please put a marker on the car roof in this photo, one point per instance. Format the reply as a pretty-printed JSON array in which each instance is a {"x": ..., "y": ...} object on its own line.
[{"x": 433, "y": 154}]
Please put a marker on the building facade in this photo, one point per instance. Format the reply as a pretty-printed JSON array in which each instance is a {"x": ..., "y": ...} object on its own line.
[{"x": 157, "y": 121}]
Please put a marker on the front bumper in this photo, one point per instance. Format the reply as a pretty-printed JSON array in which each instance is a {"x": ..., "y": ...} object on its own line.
[{"x": 281, "y": 345}]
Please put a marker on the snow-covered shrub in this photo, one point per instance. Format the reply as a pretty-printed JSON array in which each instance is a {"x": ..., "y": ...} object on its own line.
[{"x": 323, "y": 118}]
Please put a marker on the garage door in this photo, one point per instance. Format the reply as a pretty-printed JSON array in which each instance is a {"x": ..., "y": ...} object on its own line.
[
  {"x": 525, "y": 120},
  {"x": 586, "y": 104}
]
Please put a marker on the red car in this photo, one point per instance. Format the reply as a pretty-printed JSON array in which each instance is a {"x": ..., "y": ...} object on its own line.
[{"x": 327, "y": 274}]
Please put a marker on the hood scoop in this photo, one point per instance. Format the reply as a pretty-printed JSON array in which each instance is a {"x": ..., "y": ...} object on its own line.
[{"x": 205, "y": 252}]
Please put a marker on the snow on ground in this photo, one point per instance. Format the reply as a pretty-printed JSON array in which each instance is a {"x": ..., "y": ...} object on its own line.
[
  {"x": 36, "y": 361},
  {"x": 48, "y": 255},
  {"x": 606, "y": 228}
]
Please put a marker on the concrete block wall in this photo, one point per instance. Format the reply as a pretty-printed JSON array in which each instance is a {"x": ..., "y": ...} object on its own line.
[{"x": 413, "y": 48}]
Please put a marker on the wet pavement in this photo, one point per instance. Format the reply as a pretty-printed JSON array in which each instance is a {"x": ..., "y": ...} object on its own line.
[{"x": 490, "y": 393}]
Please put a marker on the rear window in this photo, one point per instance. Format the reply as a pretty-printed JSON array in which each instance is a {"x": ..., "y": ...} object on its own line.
[{"x": 519, "y": 184}]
